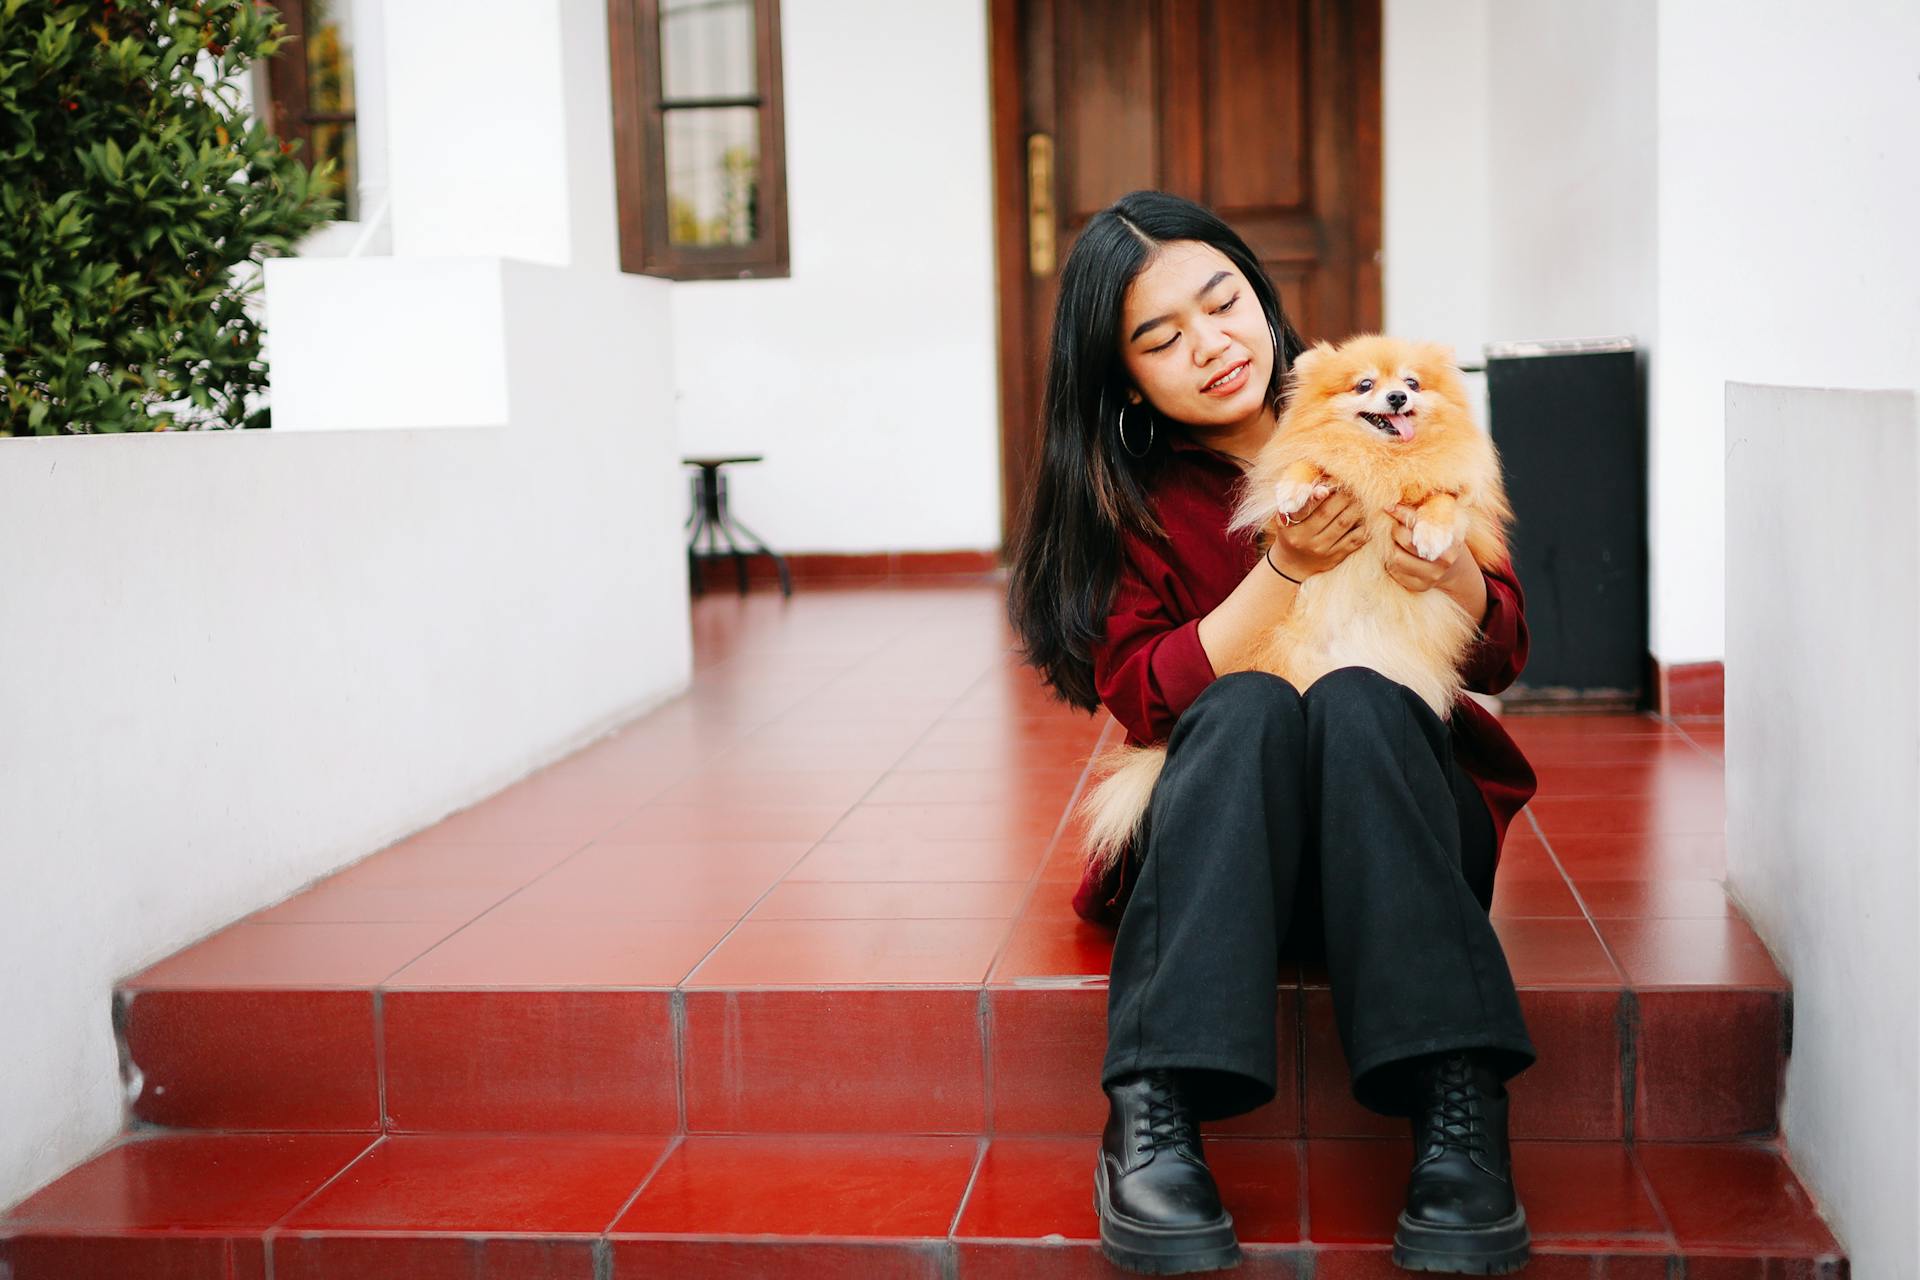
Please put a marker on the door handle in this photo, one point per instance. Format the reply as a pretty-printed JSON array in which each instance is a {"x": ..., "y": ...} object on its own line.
[{"x": 1040, "y": 247}]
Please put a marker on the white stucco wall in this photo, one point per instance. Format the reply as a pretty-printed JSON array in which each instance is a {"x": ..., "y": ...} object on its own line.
[
  {"x": 869, "y": 378},
  {"x": 1571, "y": 174},
  {"x": 1436, "y": 182},
  {"x": 1789, "y": 153},
  {"x": 1823, "y": 766}
]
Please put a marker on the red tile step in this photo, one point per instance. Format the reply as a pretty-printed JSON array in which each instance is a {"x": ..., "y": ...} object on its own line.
[
  {"x": 1020, "y": 1055},
  {"x": 1663, "y": 1065},
  {"x": 568, "y": 1207}
]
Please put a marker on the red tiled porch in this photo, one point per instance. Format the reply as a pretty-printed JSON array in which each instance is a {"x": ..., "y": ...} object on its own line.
[{"x": 782, "y": 979}]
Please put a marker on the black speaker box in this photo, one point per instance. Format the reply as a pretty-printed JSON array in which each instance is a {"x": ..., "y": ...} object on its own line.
[{"x": 1570, "y": 421}]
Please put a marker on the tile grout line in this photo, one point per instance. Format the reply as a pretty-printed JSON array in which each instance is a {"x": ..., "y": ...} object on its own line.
[
  {"x": 1300, "y": 1176},
  {"x": 603, "y": 1243},
  {"x": 380, "y": 1059},
  {"x": 1653, "y": 1197},
  {"x": 1593, "y": 925},
  {"x": 983, "y": 1021},
  {"x": 677, "y": 1016},
  {"x": 268, "y": 1236},
  {"x": 966, "y": 1192},
  {"x": 1627, "y": 1022}
]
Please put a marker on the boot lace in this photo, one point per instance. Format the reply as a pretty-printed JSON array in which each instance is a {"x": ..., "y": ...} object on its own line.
[
  {"x": 1453, "y": 1118},
  {"x": 1165, "y": 1123}
]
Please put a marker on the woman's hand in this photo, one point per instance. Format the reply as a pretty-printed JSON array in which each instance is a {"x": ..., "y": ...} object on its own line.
[
  {"x": 1328, "y": 529},
  {"x": 1454, "y": 571}
]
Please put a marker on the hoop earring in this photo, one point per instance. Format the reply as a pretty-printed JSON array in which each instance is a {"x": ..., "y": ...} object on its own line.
[{"x": 1121, "y": 423}]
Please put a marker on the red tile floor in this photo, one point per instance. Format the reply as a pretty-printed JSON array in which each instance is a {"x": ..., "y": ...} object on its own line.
[{"x": 782, "y": 979}]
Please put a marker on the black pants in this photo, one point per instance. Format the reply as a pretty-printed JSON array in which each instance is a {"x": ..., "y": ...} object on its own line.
[{"x": 1333, "y": 825}]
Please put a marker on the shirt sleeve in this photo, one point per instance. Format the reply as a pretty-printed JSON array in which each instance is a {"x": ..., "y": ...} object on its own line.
[
  {"x": 1500, "y": 651},
  {"x": 1150, "y": 666}
]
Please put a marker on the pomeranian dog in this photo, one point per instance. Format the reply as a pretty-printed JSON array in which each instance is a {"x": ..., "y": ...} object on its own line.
[{"x": 1388, "y": 420}]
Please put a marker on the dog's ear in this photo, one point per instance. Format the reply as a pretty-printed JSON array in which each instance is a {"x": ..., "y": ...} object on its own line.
[
  {"x": 1306, "y": 361},
  {"x": 1437, "y": 353}
]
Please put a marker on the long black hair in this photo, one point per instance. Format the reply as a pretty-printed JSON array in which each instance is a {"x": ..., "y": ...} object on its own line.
[{"x": 1085, "y": 489}]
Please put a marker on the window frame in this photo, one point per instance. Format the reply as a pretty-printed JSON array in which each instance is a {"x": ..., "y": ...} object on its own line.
[
  {"x": 639, "y": 136},
  {"x": 292, "y": 106}
]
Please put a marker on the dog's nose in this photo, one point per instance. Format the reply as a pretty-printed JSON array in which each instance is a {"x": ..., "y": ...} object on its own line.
[{"x": 1396, "y": 399}]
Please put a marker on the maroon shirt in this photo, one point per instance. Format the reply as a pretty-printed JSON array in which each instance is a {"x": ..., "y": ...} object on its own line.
[{"x": 1150, "y": 666}]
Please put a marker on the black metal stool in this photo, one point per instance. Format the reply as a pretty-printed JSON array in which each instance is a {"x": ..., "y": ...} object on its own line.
[{"x": 710, "y": 516}]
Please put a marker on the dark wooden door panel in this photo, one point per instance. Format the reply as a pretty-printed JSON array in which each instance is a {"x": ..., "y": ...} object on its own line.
[
  {"x": 1255, "y": 81},
  {"x": 1106, "y": 125}
]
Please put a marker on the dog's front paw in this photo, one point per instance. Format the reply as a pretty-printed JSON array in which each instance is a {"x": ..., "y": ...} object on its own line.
[
  {"x": 1291, "y": 495},
  {"x": 1431, "y": 538}
]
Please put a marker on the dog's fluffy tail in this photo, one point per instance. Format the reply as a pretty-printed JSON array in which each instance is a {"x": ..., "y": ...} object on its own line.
[{"x": 1115, "y": 805}]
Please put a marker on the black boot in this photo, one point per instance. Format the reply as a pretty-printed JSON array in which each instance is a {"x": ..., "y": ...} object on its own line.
[
  {"x": 1462, "y": 1215},
  {"x": 1160, "y": 1211}
]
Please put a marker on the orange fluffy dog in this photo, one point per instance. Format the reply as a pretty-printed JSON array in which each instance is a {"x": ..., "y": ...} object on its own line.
[{"x": 1388, "y": 420}]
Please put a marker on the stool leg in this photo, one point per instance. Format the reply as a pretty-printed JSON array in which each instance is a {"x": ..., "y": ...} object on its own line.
[
  {"x": 706, "y": 507},
  {"x": 739, "y": 556},
  {"x": 724, "y": 524},
  {"x": 695, "y": 519},
  {"x": 779, "y": 561}
]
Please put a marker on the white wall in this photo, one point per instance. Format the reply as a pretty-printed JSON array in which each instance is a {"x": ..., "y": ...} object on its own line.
[
  {"x": 1789, "y": 174},
  {"x": 1436, "y": 191},
  {"x": 1571, "y": 172},
  {"x": 477, "y": 130},
  {"x": 869, "y": 378},
  {"x": 1823, "y": 765}
]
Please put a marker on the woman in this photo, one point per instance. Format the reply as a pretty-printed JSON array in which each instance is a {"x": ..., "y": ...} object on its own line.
[{"x": 1344, "y": 822}]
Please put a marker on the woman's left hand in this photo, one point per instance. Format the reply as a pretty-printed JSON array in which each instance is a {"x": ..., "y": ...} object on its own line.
[{"x": 1406, "y": 566}]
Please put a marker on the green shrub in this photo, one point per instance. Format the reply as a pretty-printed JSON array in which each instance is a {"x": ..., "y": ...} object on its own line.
[{"x": 138, "y": 199}]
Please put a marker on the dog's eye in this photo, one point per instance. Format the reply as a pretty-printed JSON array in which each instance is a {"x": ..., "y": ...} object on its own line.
[
  {"x": 1413, "y": 384},
  {"x": 1363, "y": 386}
]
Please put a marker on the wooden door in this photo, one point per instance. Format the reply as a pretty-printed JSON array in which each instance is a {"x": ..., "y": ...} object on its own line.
[{"x": 1266, "y": 111}]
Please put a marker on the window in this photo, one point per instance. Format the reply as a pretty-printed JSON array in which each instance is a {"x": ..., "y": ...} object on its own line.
[
  {"x": 310, "y": 82},
  {"x": 700, "y": 146}
]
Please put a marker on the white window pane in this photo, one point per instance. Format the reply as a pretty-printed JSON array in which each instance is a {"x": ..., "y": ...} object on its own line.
[
  {"x": 707, "y": 48},
  {"x": 713, "y": 175}
]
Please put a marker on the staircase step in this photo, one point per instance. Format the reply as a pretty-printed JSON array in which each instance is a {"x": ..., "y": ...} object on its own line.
[
  {"x": 300, "y": 1206},
  {"x": 1699, "y": 1063}
]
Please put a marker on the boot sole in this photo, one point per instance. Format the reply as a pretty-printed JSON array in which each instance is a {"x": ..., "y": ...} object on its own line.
[
  {"x": 1490, "y": 1250},
  {"x": 1146, "y": 1249}
]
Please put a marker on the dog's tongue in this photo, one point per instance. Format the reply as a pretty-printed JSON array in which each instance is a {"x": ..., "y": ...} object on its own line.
[{"x": 1402, "y": 423}]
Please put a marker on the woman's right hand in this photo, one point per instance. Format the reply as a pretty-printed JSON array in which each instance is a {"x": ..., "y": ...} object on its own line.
[{"x": 1328, "y": 529}]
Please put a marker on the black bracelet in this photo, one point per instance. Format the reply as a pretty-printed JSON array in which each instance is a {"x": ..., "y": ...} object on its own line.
[{"x": 1277, "y": 569}]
